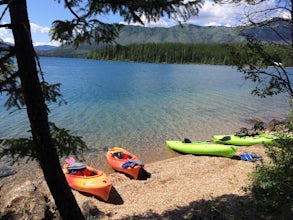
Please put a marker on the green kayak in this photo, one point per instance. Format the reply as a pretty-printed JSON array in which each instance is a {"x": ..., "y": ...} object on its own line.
[
  {"x": 202, "y": 148},
  {"x": 246, "y": 140}
]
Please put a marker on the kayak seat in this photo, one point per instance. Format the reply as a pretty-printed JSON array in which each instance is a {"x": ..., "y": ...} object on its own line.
[
  {"x": 226, "y": 138},
  {"x": 93, "y": 173},
  {"x": 121, "y": 155},
  {"x": 186, "y": 140},
  {"x": 83, "y": 172},
  {"x": 89, "y": 173},
  {"x": 80, "y": 172},
  {"x": 77, "y": 168}
]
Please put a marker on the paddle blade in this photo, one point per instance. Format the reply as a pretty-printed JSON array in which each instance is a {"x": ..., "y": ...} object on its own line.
[{"x": 70, "y": 160}]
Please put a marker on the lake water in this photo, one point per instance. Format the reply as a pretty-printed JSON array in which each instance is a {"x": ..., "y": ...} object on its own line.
[{"x": 139, "y": 105}]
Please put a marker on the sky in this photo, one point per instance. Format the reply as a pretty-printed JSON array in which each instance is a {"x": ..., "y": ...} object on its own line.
[{"x": 43, "y": 12}]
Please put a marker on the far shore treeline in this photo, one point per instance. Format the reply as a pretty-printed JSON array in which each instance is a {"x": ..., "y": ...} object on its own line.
[{"x": 183, "y": 53}]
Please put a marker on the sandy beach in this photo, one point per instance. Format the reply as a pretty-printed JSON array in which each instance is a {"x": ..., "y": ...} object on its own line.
[
  {"x": 182, "y": 187},
  {"x": 176, "y": 188}
]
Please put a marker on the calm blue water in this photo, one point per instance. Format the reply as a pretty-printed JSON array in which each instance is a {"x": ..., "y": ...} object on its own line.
[{"x": 138, "y": 105}]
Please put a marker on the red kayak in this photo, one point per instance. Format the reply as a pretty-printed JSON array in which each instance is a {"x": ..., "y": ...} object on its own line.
[{"x": 123, "y": 161}]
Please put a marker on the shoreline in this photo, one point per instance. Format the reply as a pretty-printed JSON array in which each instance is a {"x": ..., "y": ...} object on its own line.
[
  {"x": 175, "y": 186},
  {"x": 179, "y": 186}
]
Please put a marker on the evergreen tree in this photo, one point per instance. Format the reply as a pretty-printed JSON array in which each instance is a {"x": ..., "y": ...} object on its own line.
[{"x": 32, "y": 93}]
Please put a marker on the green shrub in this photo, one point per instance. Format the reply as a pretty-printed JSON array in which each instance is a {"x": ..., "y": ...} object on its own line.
[{"x": 272, "y": 183}]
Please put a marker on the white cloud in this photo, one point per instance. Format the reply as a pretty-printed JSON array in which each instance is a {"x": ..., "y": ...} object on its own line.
[
  {"x": 229, "y": 15},
  {"x": 4, "y": 32},
  {"x": 51, "y": 43},
  {"x": 212, "y": 14},
  {"x": 39, "y": 35},
  {"x": 159, "y": 23},
  {"x": 8, "y": 40},
  {"x": 39, "y": 29},
  {"x": 6, "y": 35}
]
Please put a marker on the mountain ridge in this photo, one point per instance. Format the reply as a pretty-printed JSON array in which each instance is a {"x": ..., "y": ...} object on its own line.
[{"x": 187, "y": 33}]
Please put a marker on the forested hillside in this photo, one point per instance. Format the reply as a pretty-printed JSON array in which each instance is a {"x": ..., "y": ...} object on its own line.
[
  {"x": 166, "y": 53},
  {"x": 183, "y": 53}
]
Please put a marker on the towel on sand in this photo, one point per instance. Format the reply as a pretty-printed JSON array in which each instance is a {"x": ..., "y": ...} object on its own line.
[{"x": 251, "y": 157}]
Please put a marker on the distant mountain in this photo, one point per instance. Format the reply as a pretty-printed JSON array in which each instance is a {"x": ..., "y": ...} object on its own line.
[
  {"x": 44, "y": 47},
  {"x": 38, "y": 48},
  {"x": 275, "y": 30},
  {"x": 179, "y": 34},
  {"x": 70, "y": 51}
]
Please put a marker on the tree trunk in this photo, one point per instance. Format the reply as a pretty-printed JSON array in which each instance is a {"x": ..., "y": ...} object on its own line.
[{"x": 37, "y": 113}]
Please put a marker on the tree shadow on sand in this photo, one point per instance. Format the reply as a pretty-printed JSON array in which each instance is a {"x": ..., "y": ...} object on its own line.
[
  {"x": 93, "y": 212},
  {"x": 223, "y": 207}
]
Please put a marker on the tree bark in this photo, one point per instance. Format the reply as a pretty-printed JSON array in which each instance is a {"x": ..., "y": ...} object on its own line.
[{"x": 37, "y": 113}]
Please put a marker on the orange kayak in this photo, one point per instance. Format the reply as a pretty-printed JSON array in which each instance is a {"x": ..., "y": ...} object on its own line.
[
  {"x": 86, "y": 179},
  {"x": 123, "y": 161}
]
